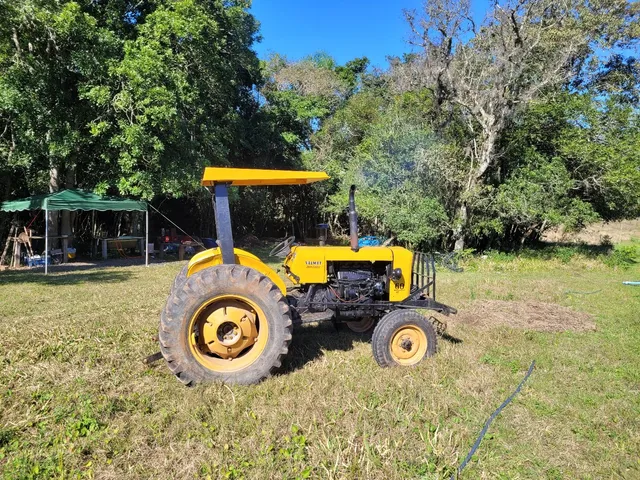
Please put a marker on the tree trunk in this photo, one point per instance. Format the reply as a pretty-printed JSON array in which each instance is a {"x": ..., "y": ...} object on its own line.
[
  {"x": 66, "y": 215},
  {"x": 5, "y": 226},
  {"x": 486, "y": 157},
  {"x": 54, "y": 186},
  {"x": 460, "y": 231},
  {"x": 486, "y": 152}
]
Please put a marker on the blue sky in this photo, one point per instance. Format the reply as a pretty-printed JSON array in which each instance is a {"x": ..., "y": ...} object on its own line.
[{"x": 345, "y": 29}]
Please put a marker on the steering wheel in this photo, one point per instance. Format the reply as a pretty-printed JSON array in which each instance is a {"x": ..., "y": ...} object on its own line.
[{"x": 282, "y": 247}]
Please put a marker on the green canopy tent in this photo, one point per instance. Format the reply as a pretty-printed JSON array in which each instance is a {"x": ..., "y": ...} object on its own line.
[{"x": 74, "y": 200}]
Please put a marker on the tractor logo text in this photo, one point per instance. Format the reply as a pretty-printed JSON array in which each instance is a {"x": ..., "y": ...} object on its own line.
[{"x": 313, "y": 263}]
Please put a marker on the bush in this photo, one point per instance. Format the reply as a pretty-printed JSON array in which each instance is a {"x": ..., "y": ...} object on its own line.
[{"x": 623, "y": 256}]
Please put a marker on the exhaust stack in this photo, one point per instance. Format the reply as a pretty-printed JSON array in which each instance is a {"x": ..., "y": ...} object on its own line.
[{"x": 353, "y": 219}]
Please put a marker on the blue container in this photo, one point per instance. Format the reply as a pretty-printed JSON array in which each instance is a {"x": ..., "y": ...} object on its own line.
[
  {"x": 209, "y": 243},
  {"x": 369, "y": 241},
  {"x": 37, "y": 261}
]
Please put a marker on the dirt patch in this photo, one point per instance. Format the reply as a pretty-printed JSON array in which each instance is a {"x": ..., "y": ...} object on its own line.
[
  {"x": 597, "y": 233},
  {"x": 544, "y": 317}
]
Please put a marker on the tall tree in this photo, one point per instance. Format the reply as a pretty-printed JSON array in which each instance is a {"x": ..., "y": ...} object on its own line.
[
  {"x": 127, "y": 96},
  {"x": 488, "y": 72}
]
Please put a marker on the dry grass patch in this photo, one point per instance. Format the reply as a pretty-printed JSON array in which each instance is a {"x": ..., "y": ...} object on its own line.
[
  {"x": 594, "y": 234},
  {"x": 529, "y": 315}
]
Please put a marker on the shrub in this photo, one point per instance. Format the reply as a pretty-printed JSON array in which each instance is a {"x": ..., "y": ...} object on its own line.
[{"x": 622, "y": 256}]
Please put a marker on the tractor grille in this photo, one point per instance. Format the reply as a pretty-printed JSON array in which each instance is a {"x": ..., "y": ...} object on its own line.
[{"x": 423, "y": 276}]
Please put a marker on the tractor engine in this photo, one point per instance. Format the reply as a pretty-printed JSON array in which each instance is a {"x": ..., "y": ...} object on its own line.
[
  {"x": 350, "y": 286},
  {"x": 357, "y": 281}
]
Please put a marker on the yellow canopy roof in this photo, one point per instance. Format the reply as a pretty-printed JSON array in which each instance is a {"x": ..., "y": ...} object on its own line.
[{"x": 254, "y": 176}]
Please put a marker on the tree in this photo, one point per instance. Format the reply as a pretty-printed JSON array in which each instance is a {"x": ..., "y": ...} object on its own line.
[
  {"x": 572, "y": 159},
  {"x": 487, "y": 73},
  {"x": 385, "y": 145},
  {"x": 47, "y": 50},
  {"x": 133, "y": 97},
  {"x": 303, "y": 95},
  {"x": 178, "y": 97},
  {"x": 308, "y": 91},
  {"x": 128, "y": 97}
]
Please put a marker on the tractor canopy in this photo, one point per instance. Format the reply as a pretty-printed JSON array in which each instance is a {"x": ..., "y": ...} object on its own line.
[{"x": 247, "y": 177}]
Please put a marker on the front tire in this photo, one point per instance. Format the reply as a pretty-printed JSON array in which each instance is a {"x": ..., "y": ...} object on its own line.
[
  {"x": 403, "y": 338},
  {"x": 225, "y": 323}
]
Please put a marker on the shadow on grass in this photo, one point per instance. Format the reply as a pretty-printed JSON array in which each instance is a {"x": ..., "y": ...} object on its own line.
[
  {"x": 450, "y": 338},
  {"x": 63, "y": 278},
  {"x": 550, "y": 250},
  {"x": 310, "y": 341}
]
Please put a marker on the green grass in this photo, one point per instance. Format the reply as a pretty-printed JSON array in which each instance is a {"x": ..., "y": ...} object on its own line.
[{"x": 78, "y": 402}]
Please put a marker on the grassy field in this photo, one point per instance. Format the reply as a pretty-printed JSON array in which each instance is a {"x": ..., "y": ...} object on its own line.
[{"x": 78, "y": 402}]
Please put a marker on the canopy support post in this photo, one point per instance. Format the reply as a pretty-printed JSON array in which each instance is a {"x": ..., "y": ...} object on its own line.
[
  {"x": 146, "y": 242},
  {"x": 46, "y": 241}
]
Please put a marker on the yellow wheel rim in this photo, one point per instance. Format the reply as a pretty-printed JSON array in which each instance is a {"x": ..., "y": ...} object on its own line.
[
  {"x": 228, "y": 333},
  {"x": 408, "y": 345}
]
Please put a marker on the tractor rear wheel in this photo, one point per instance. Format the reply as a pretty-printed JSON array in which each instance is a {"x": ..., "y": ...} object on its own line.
[
  {"x": 180, "y": 279},
  {"x": 225, "y": 323},
  {"x": 403, "y": 337}
]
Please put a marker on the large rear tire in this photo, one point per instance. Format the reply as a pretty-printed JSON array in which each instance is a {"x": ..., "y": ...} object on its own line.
[
  {"x": 403, "y": 338},
  {"x": 180, "y": 279},
  {"x": 226, "y": 323}
]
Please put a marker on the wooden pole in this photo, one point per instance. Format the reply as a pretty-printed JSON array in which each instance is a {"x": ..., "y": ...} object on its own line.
[
  {"x": 16, "y": 253},
  {"x": 6, "y": 245}
]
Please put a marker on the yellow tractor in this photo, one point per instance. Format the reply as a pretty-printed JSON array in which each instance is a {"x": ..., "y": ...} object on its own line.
[{"x": 229, "y": 317}]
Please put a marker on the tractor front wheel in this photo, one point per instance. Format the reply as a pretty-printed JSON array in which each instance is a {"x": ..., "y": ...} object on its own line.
[
  {"x": 225, "y": 323},
  {"x": 403, "y": 337}
]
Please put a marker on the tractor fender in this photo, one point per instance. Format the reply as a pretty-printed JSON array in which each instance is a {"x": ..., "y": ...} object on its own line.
[{"x": 213, "y": 256}]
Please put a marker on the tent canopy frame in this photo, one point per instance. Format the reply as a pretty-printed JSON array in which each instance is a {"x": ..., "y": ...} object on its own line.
[{"x": 74, "y": 200}]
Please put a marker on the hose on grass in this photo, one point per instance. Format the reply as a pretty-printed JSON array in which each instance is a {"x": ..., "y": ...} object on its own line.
[
  {"x": 489, "y": 421},
  {"x": 636, "y": 284}
]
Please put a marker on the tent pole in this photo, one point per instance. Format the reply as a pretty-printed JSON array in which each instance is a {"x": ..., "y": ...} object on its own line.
[
  {"x": 146, "y": 242},
  {"x": 46, "y": 241}
]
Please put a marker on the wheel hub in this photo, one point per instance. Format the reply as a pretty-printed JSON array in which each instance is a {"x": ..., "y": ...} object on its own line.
[
  {"x": 408, "y": 345},
  {"x": 228, "y": 333},
  {"x": 228, "y": 330}
]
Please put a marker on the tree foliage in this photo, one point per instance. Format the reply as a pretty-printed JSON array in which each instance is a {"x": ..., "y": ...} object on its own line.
[
  {"x": 504, "y": 128},
  {"x": 491, "y": 133},
  {"x": 133, "y": 97},
  {"x": 485, "y": 74}
]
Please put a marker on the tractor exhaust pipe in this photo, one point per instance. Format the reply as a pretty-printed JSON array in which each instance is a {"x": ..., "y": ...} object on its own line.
[{"x": 353, "y": 219}]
